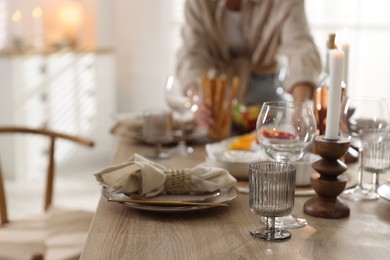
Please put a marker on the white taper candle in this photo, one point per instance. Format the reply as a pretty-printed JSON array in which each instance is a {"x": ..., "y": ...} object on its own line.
[
  {"x": 336, "y": 59},
  {"x": 345, "y": 49}
]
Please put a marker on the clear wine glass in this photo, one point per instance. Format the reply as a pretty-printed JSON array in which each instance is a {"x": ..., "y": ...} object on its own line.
[
  {"x": 286, "y": 131},
  {"x": 184, "y": 108},
  {"x": 157, "y": 130},
  {"x": 364, "y": 121},
  {"x": 271, "y": 194},
  {"x": 377, "y": 161}
]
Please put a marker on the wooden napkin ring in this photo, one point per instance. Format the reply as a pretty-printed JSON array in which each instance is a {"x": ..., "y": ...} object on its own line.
[{"x": 178, "y": 181}]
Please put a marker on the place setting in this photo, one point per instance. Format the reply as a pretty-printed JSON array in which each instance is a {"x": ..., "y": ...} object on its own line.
[
  {"x": 142, "y": 184},
  {"x": 130, "y": 127}
]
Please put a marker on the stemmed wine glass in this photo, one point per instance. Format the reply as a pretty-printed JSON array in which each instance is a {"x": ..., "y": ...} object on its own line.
[
  {"x": 286, "y": 131},
  {"x": 365, "y": 122},
  {"x": 184, "y": 108},
  {"x": 271, "y": 194},
  {"x": 280, "y": 77}
]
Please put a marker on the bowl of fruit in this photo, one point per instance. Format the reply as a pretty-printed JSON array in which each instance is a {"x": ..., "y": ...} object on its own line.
[{"x": 244, "y": 118}]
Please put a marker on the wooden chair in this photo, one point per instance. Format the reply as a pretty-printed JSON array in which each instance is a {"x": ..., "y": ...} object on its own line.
[{"x": 56, "y": 233}]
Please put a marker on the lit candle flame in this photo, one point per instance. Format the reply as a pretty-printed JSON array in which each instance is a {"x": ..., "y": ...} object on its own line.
[
  {"x": 70, "y": 17},
  {"x": 37, "y": 13},
  {"x": 341, "y": 38},
  {"x": 17, "y": 16}
]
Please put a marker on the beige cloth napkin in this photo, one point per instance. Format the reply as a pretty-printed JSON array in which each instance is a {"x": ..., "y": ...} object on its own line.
[{"x": 142, "y": 176}]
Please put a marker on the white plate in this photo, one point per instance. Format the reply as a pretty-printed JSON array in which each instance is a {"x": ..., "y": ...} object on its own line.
[
  {"x": 136, "y": 134},
  {"x": 384, "y": 191},
  {"x": 237, "y": 162},
  {"x": 225, "y": 196},
  {"x": 129, "y": 125},
  {"x": 196, "y": 135},
  {"x": 240, "y": 169}
]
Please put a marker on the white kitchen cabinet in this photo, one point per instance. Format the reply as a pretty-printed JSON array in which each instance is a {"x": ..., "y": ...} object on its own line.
[{"x": 70, "y": 91}]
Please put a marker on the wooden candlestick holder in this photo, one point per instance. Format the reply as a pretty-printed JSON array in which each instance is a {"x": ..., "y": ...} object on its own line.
[{"x": 328, "y": 182}]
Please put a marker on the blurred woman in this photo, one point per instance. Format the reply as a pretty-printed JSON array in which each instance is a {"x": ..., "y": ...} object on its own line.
[{"x": 244, "y": 38}]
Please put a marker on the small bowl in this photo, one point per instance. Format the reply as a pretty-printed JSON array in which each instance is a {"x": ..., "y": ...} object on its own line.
[
  {"x": 236, "y": 162},
  {"x": 304, "y": 169},
  {"x": 238, "y": 170}
]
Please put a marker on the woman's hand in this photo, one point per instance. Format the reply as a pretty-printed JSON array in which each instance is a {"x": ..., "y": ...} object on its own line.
[
  {"x": 203, "y": 113},
  {"x": 302, "y": 92}
]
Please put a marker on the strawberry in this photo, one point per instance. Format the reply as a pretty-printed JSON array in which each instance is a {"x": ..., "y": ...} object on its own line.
[{"x": 277, "y": 134}]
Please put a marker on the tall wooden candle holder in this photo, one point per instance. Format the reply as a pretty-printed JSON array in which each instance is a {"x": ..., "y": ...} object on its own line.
[{"x": 328, "y": 182}]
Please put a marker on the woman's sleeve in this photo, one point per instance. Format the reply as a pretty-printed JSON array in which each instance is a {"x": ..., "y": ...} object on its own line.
[
  {"x": 298, "y": 45},
  {"x": 193, "y": 57}
]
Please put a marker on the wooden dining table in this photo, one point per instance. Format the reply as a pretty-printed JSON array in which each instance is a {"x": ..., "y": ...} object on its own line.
[{"x": 120, "y": 232}]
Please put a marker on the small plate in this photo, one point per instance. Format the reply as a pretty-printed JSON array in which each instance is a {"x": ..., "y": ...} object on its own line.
[
  {"x": 225, "y": 196},
  {"x": 384, "y": 191},
  {"x": 136, "y": 134},
  {"x": 129, "y": 125},
  {"x": 179, "y": 197}
]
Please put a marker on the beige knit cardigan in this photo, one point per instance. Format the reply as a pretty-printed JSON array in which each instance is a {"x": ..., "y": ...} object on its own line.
[{"x": 271, "y": 27}]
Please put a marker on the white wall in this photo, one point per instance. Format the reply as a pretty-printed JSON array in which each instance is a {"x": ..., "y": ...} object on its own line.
[
  {"x": 367, "y": 23},
  {"x": 144, "y": 51}
]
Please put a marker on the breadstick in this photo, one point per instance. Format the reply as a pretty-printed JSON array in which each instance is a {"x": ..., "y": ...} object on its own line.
[
  {"x": 206, "y": 89},
  {"x": 218, "y": 99},
  {"x": 213, "y": 88},
  {"x": 235, "y": 87},
  {"x": 222, "y": 82},
  {"x": 233, "y": 96}
]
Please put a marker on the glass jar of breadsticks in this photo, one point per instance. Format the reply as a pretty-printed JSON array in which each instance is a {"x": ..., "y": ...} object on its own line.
[{"x": 219, "y": 94}]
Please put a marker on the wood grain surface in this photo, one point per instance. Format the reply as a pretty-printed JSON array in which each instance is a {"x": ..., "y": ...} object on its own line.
[{"x": 119, "y": 232}]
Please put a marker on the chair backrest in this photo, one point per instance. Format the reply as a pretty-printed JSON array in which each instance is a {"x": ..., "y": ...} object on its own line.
[{"x": 52, "y": 136}]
